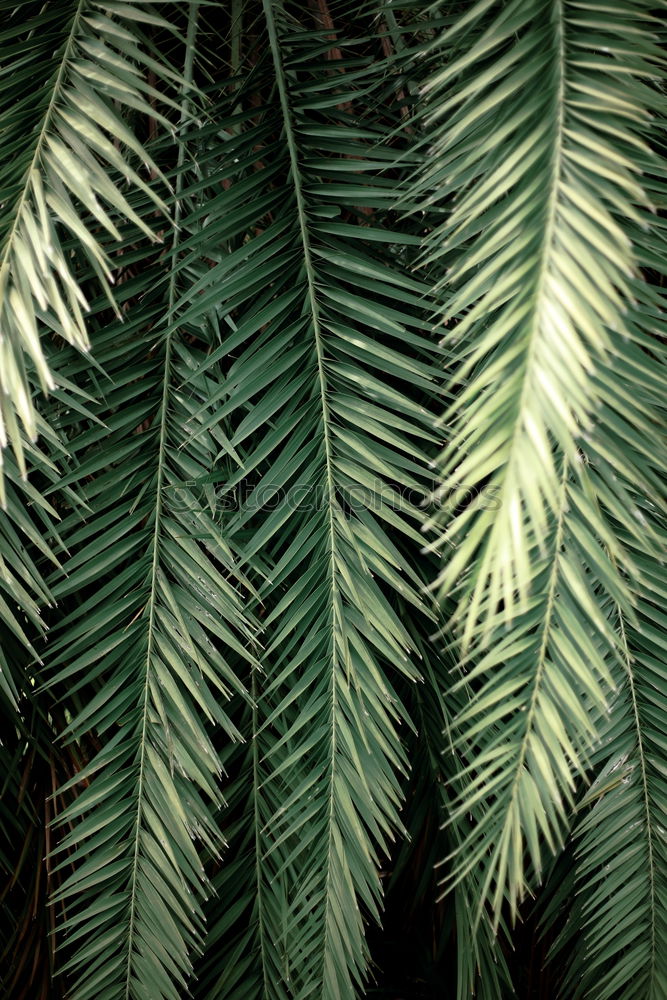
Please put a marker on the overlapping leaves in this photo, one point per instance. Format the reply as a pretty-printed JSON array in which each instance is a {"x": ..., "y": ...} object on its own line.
[{"x": 223, "y": 505}]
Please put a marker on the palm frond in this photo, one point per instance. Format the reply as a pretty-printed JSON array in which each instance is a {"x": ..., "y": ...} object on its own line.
[
  {"x": 325, "y": 335},
  {"x": 216, "y": 758},
  {"x": 57, "y": 187},
  {"x": 538, "y": 696},
  {"x": 619, "y": 915},
  {"x": 149, "y": 648},
  {"x": 531, "y": 134},
  {"x": 482, "y": 970},
  {"x": 148, "y": 643},
  {"x": 531, "y": 141}
]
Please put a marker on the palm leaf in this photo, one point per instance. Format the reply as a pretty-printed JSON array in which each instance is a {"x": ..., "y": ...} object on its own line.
[
  {"x": 540, "y": 267},
  {"x": 482, "y": 970},
  {"x": 537, "y": 182},
  {"x": 150, "y": 648},
  {"x": 325, "y": 334},
  {"x": 57, "y": 185},
  {"x": 619, "y": 915}
]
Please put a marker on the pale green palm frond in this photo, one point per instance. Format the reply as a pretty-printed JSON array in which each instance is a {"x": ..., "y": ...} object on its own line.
[
  {"x": 619, "y": 917},
  {"x": 57, "y": 184},
  {"x": 537, "y": 699},
  {"x": 532, "y": 126},
  {"x": 530, "y": 131}
]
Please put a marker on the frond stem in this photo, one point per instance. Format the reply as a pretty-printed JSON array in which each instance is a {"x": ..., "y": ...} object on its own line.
[
  {"x": 644, "y": 780},
  {"x": 542, "y": 654},
  {"x": 326, "y": 416},
  {"x": 258, "y": 826},
  {"x": 162, "y": 442}
]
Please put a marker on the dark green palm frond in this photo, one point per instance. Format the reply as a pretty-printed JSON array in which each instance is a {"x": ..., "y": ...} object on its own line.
[
  {"x": 531, "y": 124},
  {"x": 58, "y": 182},
  {"x": 30, "y": 547},
  {"x": 154, "y": 597},
  {"x": 149, "y": 645},
  {"x": 325, "y": 340},
  {"x": 333, "y": 771},
  {"x": 619, "y": 916},
  {"x": 240, "y": 959}
]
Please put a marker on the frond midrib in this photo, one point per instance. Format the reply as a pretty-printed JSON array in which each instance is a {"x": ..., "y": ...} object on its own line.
[
  {"x": 645, "y": 793},
  {"x": 551, "y": 215},
  {"x": 161, "y": 460},
  {"x": 547, "y": 242},
  {"x": 550, "y": 601},
  {"x": 317, "y": 331},
  {"x": 256, "y": 782}
]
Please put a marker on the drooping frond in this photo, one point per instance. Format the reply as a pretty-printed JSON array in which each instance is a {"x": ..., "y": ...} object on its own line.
[
  {"x": 64, "y": 142},
  {"x": 619, "y": 914},
  {"x": 615, "y": 934},
  {"x": 536, "y": 136},
  {"x": 150, "y": 644},
  {"x": 533, "y": 122},
  {"x": 215, "y": 760},
  {"x": 481, "y": 967},
  {"x": 537, "y": 697},
  {"x": 325, "y": 337}
]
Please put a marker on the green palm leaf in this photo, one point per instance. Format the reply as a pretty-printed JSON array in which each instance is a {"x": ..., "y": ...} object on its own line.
[
  {"x": 150, "y": 647},
  {"x": 58, "y": 184},
  {"x": 543, "y": 268},
  {"x": 539, "y": 265},
  {"x": 621, "y": 852},
  {"x": 619, "y": 916},
  {"x": 215, "y": 755},
  {"x": 325, "y": 333}
]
